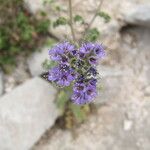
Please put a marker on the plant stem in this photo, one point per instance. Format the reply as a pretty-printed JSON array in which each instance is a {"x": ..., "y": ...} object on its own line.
[
  {"x": 71, "y": 20},
  {"x": 93, "y": 18}
]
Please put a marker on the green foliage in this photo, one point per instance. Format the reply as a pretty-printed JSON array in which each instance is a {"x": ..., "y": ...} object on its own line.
[
  {"x": 78, "y": 113},
  {"x": 43, "y": 26},
  {"x": 72, "y": 114},
  {"x": 104, "y": 15},
  {"x": 20, "y": 32},
  {"x": 79, "y": 19},
  {"x": 92, "y": 35},
  {"x": 45, "y": 2},
  {"x": 60, "y": 21},
  {"x": 50, "y": 42},
  {"x": 61, "y": 100},
  {"x": 58, "y": 8},
  {"x": 48, "y": 64}
]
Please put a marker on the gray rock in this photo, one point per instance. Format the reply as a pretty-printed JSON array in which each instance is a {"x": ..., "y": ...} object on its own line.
[
  {"x": 26, "y": 113},
  {"x": 35, "y": 62},
  {"x": 138, "y": 15},
  {"x": 122, "y": 123},
  {"x": 1, "y": 83},
  {"x": 109, "y": 129},
  {"x": 33, "y": 6}
]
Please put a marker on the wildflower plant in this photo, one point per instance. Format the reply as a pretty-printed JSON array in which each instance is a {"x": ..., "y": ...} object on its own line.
[
  {"x": 73, "y": 65},
  {"x": 76, "y": 67}
]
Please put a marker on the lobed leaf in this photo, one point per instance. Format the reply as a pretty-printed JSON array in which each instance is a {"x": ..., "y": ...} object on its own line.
[
  {"x": 104, "y": 15},
  {"x": 79, "y": 18},
  {"x": 48, "y": 64},
  {"x": 60, "y": 21},
  {"x": 93, "y": 34}
]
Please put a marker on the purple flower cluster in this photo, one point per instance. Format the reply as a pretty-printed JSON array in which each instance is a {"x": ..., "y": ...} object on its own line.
[
  {"x": 76, "y": 67},
  {"x": 84, "y": 92}
]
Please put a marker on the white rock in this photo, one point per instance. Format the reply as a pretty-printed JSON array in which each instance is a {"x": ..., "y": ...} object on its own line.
[
  {"x": 127, "y": 125},
  {"x": 109, "y": 71},
  {"x": 138, "y": 15},
  {"x": 25, "y": 114},
  {"x": 34, "y": 6},
  {"x": 1, "y": 83},
  {"x": 147, "y": 91},
  {"x": 35, "y": 62}
]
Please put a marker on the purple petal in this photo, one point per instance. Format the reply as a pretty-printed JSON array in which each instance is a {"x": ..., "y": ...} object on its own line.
[
  {"x": 93, "y": 60},
  {"x": 99, "y": 50}
]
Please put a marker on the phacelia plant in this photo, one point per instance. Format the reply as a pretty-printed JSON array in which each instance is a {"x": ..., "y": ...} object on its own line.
[
  {"x": 76, "y": 67},
  {"x": 73, "y": 64}
]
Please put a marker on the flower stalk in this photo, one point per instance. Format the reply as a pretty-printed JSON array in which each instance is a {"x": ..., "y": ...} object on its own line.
[
  {"x": 71, "y": 21},
  {"x": 93, "y": 18}
]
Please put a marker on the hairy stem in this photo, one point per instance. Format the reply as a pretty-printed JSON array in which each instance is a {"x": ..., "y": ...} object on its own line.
[
  {"x": 71, "y": 20},
  {"x": 93, "y": 18}
]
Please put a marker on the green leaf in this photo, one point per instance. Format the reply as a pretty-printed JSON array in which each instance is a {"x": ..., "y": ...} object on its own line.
[
  {"x": 92, "y": 35},
  {"x": 58, "y": 8},
  {"x": 50, "y": 42},
  {"x": 7, "y": 60},
  {"x": 104, "y": 15},
  {"x": 60, "y": 21},
  {"x": 48, "y": 64},
  {"x": 26, "y": 34},
  {"x": 78, "y": 113},
  {"x": 43, "y": 25},
  {"x": 79, "y": 18},
  {"x": 43, "y": 13},
  {"x": 61, "y": 100},
  {"x": 21, "y": 19},
  {"x": 45, "y": 2}
]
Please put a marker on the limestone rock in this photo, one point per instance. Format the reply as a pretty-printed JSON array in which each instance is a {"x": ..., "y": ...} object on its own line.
[
  {"x": 34, "y": 6},
  {"x": 25, "y": 114},
  {"x": 1, "y": 83},
  {"x": 138, "y": 15},
  {"x": 35, "y": 62}
]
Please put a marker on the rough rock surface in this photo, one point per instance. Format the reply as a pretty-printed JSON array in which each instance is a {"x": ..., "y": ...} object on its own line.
[
  {"x": 35, "y": 62},
  {"x": 33, "y": 6},
  {"x": 17, "y": 75},
  {"x": 138, "y": 15},
  {"x": 1, "y": 83},
  {"x": 122, "y": 121},
  {"x": 26, "y": 113}
]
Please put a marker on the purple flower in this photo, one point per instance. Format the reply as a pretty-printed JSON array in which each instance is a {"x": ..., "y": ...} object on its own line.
[
  {"x": 74, "y": 52},
  {"x": 99, "y": 50},
  {"x": 64, "y": 59},
  {"x": 92, "y": 71},
  {"x": 54, "y": 74},
  {"x": 91, "y": 93},
  {"x": 59, "y": 52},
  {"x": 62, "y": 75},
  {"x": 93, "y": 82},
  {"x": 77, "y": 66},
  {"x": 67, "y": 47},
  {"x": 79, "y": 87},
  {"x": 81, "y": 55},
  {"x": 93, "y": 60},
  {"x": 86, "y": 48},
  {"x": 80, "y": 79},
  {"x": 85, "y": 97},
  {"x": 65, "y": 79},
  {"x": 79, "y": 98},
  {"x": 84, "y": 92}
]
